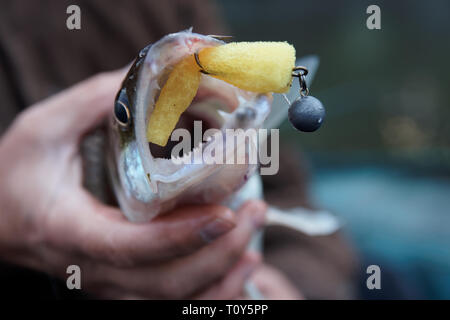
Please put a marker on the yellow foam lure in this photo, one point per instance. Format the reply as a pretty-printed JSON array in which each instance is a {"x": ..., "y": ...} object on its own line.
[{"x": 261, "y": 67}]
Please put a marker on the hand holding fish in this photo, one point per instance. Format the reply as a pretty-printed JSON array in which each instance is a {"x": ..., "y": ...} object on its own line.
[{"x": 48, "y": 221}]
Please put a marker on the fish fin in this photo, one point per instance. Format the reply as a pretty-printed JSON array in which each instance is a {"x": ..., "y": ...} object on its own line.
[{"x": 310, "y": 222}]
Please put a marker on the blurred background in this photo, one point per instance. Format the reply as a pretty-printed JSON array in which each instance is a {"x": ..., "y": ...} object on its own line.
[{"x": 381, "y": 161}]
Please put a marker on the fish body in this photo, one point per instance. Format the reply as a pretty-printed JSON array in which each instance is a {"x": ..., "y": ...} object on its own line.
[{"x": 149, "y": 180}]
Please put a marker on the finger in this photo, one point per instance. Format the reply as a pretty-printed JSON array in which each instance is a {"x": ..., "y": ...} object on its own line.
[
  {"x": 74, "y": 111},
  {"x": 227, "y": 288},
  {"x": 232, "y": 285},
  {"x": 185, "y": 276},
  {"x": 274, "y": 285},
  {"x": 103, "y": 234}
]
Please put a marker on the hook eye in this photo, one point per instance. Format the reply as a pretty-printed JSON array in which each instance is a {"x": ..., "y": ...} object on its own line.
[{"x": 122, "y": 113}]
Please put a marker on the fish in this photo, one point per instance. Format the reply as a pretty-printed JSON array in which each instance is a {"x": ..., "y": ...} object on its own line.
[{"x": 150, "y": 180}]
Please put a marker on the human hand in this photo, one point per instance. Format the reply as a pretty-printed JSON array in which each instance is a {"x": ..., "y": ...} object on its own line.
[{"x": 48, "y": 221}]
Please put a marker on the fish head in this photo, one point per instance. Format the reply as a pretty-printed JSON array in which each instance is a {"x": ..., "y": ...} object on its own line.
[{"x": 149, "y": 179}]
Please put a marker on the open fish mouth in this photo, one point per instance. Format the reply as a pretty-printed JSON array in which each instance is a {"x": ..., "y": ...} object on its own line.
[
  {"x": 151, "y": 179},
  {"x": 217, "y": 105},
  {"x": 148, "y": 180}
]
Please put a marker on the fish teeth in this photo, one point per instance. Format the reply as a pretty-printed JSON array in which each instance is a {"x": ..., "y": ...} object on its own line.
[
  {"x": 224, "y": 114},
  {"x": 176, "y": 159},
  {"x": 154, "y": 68}
]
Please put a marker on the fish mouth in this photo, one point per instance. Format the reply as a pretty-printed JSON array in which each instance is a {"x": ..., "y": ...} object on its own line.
[
  {"x": 217, "y": 105},
  {"x": 209, "y": 109}
]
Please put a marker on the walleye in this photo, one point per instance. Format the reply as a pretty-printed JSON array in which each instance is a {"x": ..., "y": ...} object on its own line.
[{"x": 148, "y": 182}]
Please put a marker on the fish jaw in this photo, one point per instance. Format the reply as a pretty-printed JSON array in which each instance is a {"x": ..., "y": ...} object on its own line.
[{"x": 147, "y": 185}]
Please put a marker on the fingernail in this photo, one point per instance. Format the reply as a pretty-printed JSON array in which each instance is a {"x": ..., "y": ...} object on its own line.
[
  {"x": 215, "y": 229},
  {"x": 258, "y": 212}
]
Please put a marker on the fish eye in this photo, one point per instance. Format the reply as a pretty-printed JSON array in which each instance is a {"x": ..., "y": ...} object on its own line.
[{"x": 122, "y": 114}]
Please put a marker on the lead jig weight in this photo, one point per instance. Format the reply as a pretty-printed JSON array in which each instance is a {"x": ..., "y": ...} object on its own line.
[{"x": 306, "y": 113}]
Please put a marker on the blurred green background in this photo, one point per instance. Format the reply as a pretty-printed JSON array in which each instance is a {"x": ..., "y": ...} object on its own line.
[{"x": 381, "y": 161}]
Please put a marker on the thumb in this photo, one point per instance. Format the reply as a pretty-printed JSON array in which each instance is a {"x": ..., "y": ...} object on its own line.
[{"x": 74, "y": 111}]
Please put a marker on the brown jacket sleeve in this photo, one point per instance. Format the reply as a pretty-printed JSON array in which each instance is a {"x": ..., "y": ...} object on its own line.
[{"x": 39, "y": 56}]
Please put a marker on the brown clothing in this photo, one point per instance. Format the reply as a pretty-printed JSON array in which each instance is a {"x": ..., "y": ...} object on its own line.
[{"x": 39, "y": 56}]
